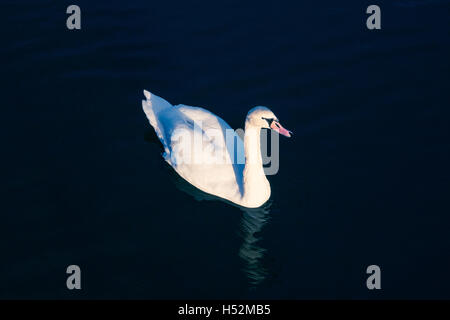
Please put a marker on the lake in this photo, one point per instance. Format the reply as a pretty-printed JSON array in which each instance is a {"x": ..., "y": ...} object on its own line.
[{"x": 365, "y": 179}]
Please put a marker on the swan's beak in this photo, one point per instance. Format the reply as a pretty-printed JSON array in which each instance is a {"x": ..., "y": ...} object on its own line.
[{"x": 279, "y": 128}]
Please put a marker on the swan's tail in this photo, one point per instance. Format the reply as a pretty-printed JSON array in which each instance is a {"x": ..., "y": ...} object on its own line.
[{"x": 152, "y": 106}]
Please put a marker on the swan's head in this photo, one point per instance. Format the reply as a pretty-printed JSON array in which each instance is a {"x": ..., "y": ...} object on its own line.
[{"x": 264, "y": 118}]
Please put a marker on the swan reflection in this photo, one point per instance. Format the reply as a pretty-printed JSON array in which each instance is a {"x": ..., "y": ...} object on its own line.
[
  {"x": 253, "y": 220},
  {"x": 251, "y": 252}
]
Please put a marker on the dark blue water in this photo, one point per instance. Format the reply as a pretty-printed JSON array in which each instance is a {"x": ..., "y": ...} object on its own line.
[{"x": 365, "y": 179}]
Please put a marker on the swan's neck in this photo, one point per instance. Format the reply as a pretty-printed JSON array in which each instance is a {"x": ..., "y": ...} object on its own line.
[{"x": 256, "y": 185}]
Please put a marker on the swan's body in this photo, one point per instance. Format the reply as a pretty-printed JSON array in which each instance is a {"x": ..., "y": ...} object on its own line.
[{"x": 197, "y": 146}]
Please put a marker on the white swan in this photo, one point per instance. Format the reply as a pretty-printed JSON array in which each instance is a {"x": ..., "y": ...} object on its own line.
[{"x": 200, "y": 146}]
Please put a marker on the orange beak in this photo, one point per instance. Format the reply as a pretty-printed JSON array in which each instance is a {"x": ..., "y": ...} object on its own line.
[{"x": 279, "y": 128}]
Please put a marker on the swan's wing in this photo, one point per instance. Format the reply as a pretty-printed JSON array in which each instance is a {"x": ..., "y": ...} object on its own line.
[
  {"x": 199, "y": 145},
  {"x": 202, "y": 115},
  {"x": 153, "y": 106},
  {"x": 216, "y": 128},
  {"x": 218, "y": 166},
  {"x": 171, "y": 126}
]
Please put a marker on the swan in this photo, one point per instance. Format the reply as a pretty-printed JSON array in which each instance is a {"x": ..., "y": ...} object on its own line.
[{"x": 205, "y": 151}]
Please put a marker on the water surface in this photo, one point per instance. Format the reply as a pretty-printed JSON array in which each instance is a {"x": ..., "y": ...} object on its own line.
[{"x": 365, "y": 179}]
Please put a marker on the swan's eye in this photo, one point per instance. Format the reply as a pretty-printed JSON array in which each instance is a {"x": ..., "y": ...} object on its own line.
[{"x": 269, "y": 121}]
